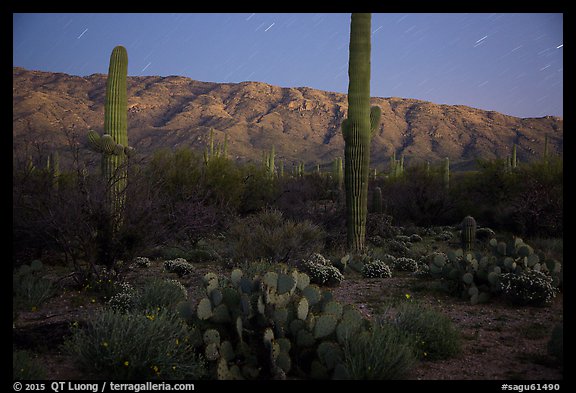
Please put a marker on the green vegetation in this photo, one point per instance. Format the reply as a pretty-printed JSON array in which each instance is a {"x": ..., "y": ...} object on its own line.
[
  {"x": 206, "y": 267},
  {"x": 357, "y": 130},
  {"x": 26, "y": 367},
  {"x": 154, "y": 345},
  {"x": 383, "y": 352}
]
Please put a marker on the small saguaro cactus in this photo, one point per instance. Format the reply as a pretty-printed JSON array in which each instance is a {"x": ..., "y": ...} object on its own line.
[
  {"x": 53, "y": 168},
  {"x": 446, "y": 173},
  {"x": 513, "y": 160},
  {"x": 338, "y": 171},
  {"x": 468, "y": 233}
]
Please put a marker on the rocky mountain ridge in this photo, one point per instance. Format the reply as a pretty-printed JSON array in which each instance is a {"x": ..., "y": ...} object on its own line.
[{"x": 302, "y": 123}]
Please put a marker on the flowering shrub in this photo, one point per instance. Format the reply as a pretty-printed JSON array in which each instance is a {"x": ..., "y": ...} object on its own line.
[
  {"x": 529, "y": 288},
  {"x": 133, "y": 346},
  {"x": 321, "y": 271},
  {"x": 125, "y": 299},
  {"x": 405, "y": 264},
  {"x": 376, "y": 269},
  {"x": 156, "y": 294},
  {"x": 142, "y": 262},
  {"x": 319, "y": 259},
  {"x": 179, "y": 266}
]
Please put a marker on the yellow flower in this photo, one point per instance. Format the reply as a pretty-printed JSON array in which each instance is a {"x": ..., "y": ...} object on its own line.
[
  {"x": 177, "y": 342},
  {"x": 407, "y": 296},
  {"x": 126, "y": 363},
  {"x": 104, "y": 344},
  {"x": 34, "y": 309},
  {"x": 93, "y": 300},
  {"x": 150, "y": 317},
  {"x": 155, "y": 368}
]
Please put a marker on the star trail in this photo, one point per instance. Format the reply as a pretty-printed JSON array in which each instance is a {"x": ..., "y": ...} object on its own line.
[{"x": 510, "y": 63}]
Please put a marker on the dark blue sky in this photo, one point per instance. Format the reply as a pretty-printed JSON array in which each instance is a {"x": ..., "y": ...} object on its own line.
[{"x": 510, "y": 63}]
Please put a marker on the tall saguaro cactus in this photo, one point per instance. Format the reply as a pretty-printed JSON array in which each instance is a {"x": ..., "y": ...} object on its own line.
[
  {"x": 357, "y": 130},
  {"x": 113, "y": 145}
]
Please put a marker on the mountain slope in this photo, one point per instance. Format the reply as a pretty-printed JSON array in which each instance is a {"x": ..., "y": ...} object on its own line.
[{"x": 302, "y": 123}]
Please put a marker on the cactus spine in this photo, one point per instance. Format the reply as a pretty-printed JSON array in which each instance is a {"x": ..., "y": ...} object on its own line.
[
  {"x": 113, "y": 145},
  {"x": 357, "y": 130}
]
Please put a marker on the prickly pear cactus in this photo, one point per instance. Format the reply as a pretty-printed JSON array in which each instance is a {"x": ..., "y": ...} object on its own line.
[{"x": 271, "y": 325}]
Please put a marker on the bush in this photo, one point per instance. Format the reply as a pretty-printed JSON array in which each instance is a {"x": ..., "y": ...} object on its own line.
[
  {"x": 125, "y": 298},
  {"x": 433, "y": 335},
  {"x": 180, "y": 266},
  {"x": 156, "y": 294},
  {"x": 376, "y": 269},
  {"x": 25, "y": 367},
  {"x": 405, "y": 264},
  {"x": 142, "y": 262},
  {"x": 267, "y": 235},
  {"x": 528, "y": 288},
  {"x": 161, "y": 293},
  {"x": 131, "y": 346},
  {"x": 29, "y": 288},
  {"x": 383, "y": 352},
  {"x": 321, "y": 271}
]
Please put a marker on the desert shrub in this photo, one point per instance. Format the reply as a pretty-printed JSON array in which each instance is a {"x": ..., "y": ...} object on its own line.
[
  {"x": 142, "y": 262},
  {"x": 538, "y": 204},
  {"x": 161, "y": 293},
  {"x": 380, "y": 224},
  {"x": 30, "y": 290},
  {"x": 124, "y": 300},
  {"x": 267, "y": 235},
  {"x": 381, "y": 353},
  {"x": 419, "y": 199},
  {"x": 133, "y": 346},
  {"x": 433, "y": 335},
  {"x": 259, "y": 189},
  {"x": 405, "y": 264},
  {"x": 26, "y": 367},
  {"x": 321, "y": 271},
  {"x": 180, "y": 266},
  {"x": 531, "y": 287},
  {"x": 155, "y": 294},
  {"x": 376, "y": 269}
]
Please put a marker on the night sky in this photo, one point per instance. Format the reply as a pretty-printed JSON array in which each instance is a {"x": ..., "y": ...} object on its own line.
[{"x": 510, "y": 63}]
